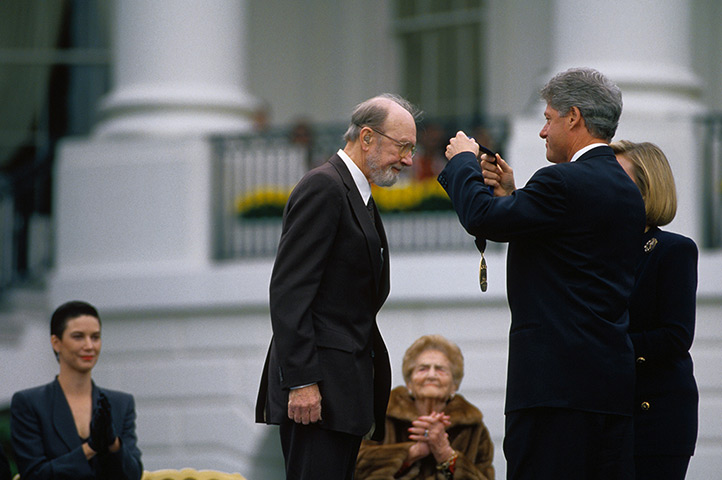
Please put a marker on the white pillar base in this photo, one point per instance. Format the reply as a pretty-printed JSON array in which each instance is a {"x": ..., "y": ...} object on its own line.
[
  {"x": 140, "y": 205},
  {"x": 178, "y": 111}
]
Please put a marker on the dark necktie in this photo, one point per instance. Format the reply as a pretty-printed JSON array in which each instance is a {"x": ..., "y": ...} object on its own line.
[{"x": 370, "y": 208}]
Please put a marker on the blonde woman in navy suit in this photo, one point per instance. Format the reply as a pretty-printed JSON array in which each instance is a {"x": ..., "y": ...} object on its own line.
[
  {"x": 662, "y": 318},
  {"x": 70, "y": 428}
]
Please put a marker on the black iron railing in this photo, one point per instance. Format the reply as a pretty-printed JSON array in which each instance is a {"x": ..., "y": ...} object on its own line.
[{"x": 255, "y": 173}]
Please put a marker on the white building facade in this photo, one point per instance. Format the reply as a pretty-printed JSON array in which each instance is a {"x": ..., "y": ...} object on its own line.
[{"x": 187, "y": 334}]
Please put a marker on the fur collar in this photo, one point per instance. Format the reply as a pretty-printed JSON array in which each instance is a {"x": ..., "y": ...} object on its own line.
[{"x": 401, "y": 407}]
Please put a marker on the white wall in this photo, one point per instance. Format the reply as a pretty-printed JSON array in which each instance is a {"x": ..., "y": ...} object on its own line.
[
  {"x": 194, "y": 370},
  {"x": 706, "y": 48},
  {"x": 518, "y": 39},
  {"x": 319, "y": 58},
  {"x": 188, "y": 337}
]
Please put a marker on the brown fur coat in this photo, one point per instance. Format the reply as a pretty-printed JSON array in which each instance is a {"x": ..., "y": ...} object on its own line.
[{"x": 467, "y": 434}]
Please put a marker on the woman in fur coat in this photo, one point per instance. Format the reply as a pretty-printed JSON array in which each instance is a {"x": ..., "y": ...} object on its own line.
[{"x": 432, "y": 433}]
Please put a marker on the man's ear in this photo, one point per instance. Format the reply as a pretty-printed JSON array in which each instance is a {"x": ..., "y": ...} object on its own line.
[
  {"x": 366, "y": 137},
  {"x": 574, "y": 118}
]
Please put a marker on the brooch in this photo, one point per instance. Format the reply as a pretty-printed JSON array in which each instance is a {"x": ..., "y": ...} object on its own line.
[{"x": 649, "y": 246}]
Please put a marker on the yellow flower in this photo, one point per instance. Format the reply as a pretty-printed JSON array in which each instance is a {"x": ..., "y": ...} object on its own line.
[
  {"x": 262, "y": 202},
  {"x": 410, "y": 196}
]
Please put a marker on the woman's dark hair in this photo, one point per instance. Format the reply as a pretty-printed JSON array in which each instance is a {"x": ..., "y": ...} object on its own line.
[{"x": 69, "y": 311}]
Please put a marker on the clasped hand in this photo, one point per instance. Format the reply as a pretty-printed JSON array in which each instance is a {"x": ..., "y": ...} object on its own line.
[
  {"x": 102, "y": 432},
  {"x": 429, "y": 433}
]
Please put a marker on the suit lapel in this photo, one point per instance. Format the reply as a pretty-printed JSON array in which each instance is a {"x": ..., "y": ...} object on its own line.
[
  {"x": 63, "y": 418},
  {"x": 383, "y": 280},
  {"x": 373, "y": 233}
]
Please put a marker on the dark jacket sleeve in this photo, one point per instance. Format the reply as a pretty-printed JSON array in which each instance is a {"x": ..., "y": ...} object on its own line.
[
  {"x": 30, "y": 454},
  {"x": 124, "y": 464},
  {"x": 311, "y": 218},
  {"x": 537, "y": 208},
  {"x": 4, "y": 465}
]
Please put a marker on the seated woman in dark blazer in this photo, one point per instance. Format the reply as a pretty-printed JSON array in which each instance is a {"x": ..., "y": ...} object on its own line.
[
  {"x": 70, "y": 428},
  {"x": 661, "y": 324}
]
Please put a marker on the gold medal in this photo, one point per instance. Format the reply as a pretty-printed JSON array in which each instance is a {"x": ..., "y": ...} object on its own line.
[{"x": 482, "y": 273}]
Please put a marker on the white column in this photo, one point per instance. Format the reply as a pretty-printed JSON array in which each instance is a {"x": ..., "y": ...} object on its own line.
[
  {"x": 178, "y": 68},
  {"x": 134, "y": 200},
  {"x": 643, "y": 46}
]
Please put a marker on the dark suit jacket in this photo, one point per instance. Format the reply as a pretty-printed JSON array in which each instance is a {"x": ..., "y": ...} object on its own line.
[
  {"x": 47, "y": 444},
  {"x": 573, "y": 234},
  {"x": 662, "y": 317},
  {"x": 4, "y": 465},
  {"x": 330, "y": 278}
]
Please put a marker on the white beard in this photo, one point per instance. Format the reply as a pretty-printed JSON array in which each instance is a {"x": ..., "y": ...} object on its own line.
[{"x": 383, "y": 177}]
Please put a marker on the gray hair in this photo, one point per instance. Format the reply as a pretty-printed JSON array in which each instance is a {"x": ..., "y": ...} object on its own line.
[
  {"x": 597, "y": 98},
  {"x": 372, "y": 113}
]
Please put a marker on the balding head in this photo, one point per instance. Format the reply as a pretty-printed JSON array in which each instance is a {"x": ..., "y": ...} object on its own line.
[{"x": 374, "y": 112}]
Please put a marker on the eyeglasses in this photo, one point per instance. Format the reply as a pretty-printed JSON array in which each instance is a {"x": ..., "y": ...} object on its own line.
[{"x": 404, "y": 147}]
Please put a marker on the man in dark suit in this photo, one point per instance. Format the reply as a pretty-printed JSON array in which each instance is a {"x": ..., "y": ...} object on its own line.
[
  {"x": 327, "y": 377},
  {"x": 573, "y": 234}
]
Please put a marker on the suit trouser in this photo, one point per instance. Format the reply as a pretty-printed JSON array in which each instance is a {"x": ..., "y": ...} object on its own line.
[
  {"x": 661, "y": 467},
  {"x": 314, "y": 453},
  {"x": 560, "y": 443}
]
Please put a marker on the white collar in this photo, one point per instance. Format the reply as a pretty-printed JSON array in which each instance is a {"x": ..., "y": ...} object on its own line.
[
  {"x": 362, "y": 183},
  {"x": 586, "y": 149}
]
